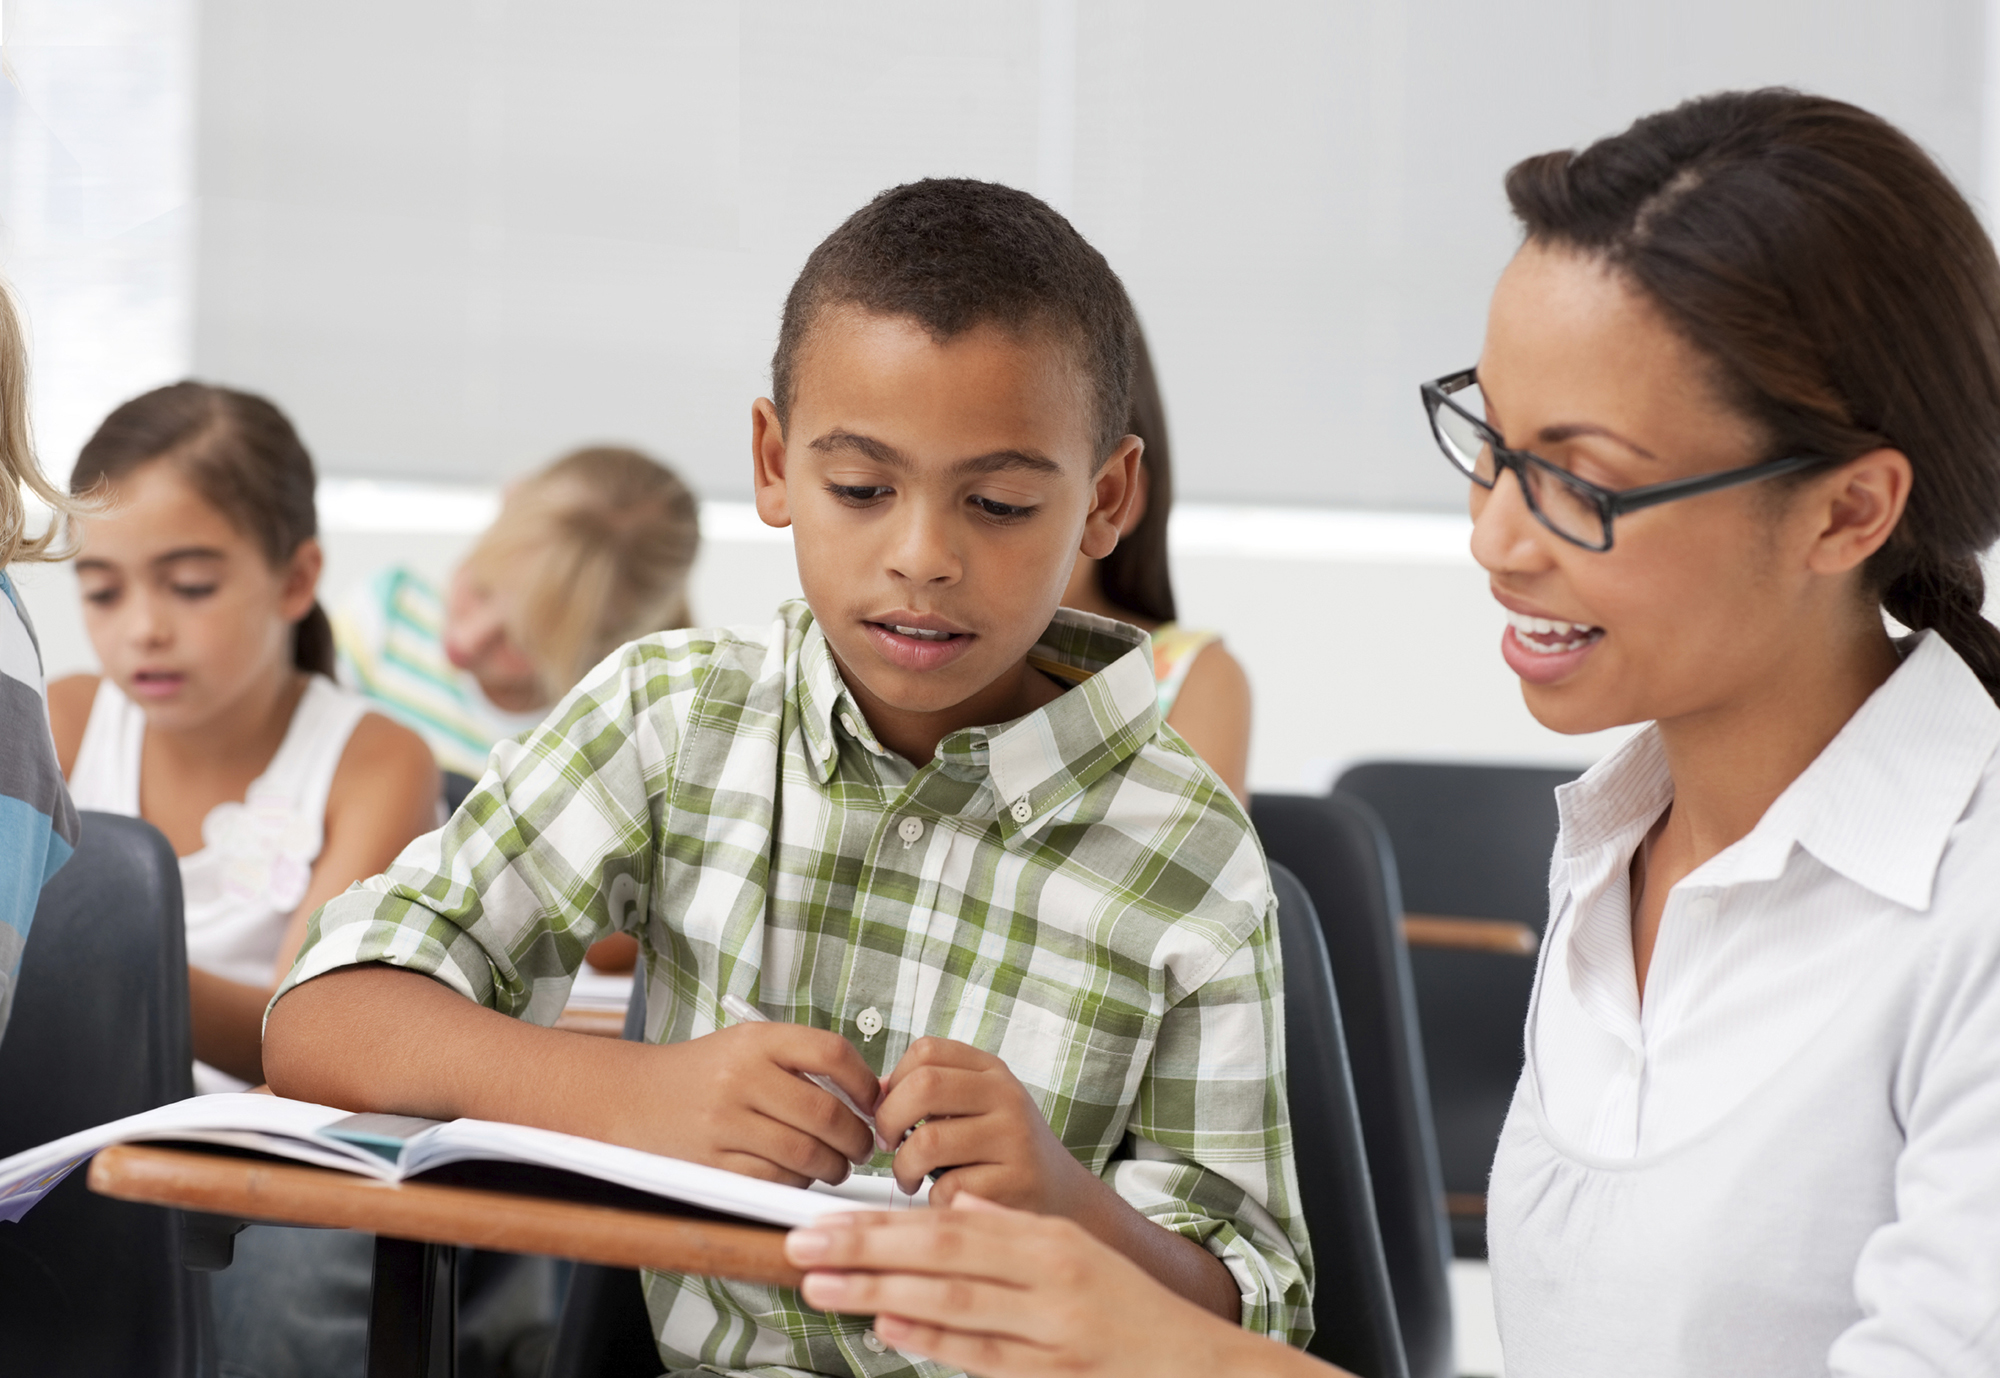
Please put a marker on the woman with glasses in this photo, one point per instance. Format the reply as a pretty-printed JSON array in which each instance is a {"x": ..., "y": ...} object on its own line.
[{"x": 1739, "y": 398}]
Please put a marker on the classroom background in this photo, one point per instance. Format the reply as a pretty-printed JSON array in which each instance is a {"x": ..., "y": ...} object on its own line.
[{"x": 455, "y": 238}]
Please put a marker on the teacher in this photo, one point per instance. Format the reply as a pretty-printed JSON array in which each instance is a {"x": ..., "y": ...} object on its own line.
[{"x": 1739, "y": 397}]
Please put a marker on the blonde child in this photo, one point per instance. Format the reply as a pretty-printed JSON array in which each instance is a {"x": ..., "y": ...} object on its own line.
[
  {"x": 216, "y": 718},
  {"x": 38, "y": 825},
  {"x": 1204, "y": 694},
  {"x": 587, "y": 554}
]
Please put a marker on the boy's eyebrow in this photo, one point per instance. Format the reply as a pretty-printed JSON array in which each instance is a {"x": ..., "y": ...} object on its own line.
[{"x": 998, "y": 460}]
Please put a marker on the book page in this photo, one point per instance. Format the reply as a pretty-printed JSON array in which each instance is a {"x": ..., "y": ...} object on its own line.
[
  {"x": 268, "y": 1124},
  {"x": 696, "y": 1185}
]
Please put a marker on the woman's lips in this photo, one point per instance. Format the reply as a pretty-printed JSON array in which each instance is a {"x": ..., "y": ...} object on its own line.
[
  {"x": 1543, "y": 650},
  {"x": 917, "y": 648}
]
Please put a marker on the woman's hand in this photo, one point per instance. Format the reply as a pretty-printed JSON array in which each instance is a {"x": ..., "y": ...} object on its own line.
[{"x": 1010, "y": 1295}]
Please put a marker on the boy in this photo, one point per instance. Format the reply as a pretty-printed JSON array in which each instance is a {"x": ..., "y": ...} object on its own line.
[{"x": 927, "y": 822}]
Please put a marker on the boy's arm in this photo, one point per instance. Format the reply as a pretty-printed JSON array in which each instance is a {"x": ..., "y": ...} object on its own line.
[
  {"x": 410, "y": 1046},
  {"x": 1209, "y": 1146},
  {"x": 554, "y": 849}
]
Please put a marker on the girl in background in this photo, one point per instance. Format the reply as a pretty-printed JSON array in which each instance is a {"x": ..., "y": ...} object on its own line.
[
  {"x": 586, "y": 555},
  {"x": 216, "y": 718},
  {"x": 38, "y": 825},
  {"x": 1204, "y": 694}
]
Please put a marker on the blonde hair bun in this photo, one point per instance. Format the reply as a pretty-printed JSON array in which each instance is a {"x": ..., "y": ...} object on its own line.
[{"x": 595, "y": 551}]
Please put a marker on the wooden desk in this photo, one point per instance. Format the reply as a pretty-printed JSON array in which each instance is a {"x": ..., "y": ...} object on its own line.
[{"x": 413, "y": 1323}]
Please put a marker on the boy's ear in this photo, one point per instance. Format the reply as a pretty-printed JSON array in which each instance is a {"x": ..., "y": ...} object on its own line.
[
  {"x": 301, "y": 585},
  {"x": 1116, "y": 491},
  {"x": 767, "y": 462}
]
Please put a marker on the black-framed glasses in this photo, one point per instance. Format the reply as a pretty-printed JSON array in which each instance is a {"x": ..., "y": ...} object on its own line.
[{"x": 1575, "y": 509}]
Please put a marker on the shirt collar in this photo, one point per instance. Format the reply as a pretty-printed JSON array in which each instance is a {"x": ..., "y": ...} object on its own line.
[
  {"x": 1042, "y": 759},
  {"x": 1877, "y": 805}
]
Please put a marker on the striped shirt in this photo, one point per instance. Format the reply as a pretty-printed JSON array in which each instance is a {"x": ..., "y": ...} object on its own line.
[
  {"x": 38, "y": 825},
  {"x": 1074, "y": 892},
  {"x": 391, "y": 639}
]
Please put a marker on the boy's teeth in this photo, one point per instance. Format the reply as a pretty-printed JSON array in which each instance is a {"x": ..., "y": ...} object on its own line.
[
  {"x": 1555, "y": 635},
  {"x": 923, "y": 634}
]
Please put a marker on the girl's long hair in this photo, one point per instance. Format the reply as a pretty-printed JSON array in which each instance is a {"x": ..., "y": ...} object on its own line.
[
  {"x": 1842, "y": 288},
  {"x": 243, "y": 457},
  {"x": 20, "y": 475}
]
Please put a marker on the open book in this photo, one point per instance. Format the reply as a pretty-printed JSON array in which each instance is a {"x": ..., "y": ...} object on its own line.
[{"x": 390, "y": 1148}]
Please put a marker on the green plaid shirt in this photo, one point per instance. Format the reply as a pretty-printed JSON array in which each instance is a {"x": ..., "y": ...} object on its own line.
[{"x": 1073, "y": 891}]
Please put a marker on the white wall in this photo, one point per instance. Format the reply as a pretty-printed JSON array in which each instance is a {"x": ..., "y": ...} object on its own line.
[
  {"x": 455, "y": 238},
  {"x": 96, "y": 202}
]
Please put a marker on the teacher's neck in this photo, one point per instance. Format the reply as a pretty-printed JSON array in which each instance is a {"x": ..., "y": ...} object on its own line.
[{"x": 1730, "y": 763}]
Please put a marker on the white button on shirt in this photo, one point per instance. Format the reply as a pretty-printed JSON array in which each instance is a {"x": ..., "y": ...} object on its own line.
[{"x": 1787, "y": 1161}]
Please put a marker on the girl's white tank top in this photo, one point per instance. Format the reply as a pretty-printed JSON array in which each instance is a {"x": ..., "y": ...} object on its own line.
[{"x": 256, "y": 860}]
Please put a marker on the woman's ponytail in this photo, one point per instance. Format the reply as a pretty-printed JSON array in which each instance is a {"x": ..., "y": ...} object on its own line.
[
  {"x": 1949, "y": 597},
  {"x": 312, "y": 643}
]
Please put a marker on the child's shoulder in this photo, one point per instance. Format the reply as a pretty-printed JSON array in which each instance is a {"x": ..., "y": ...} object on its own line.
[
  {"x": 721, "y": 666},
  {"x": 1165, "y": 798}
]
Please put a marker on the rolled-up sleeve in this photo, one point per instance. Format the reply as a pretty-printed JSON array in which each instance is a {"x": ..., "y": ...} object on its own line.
[
  {"x": 546, "y": 855},
  {"x": 1208, "y": 1152}
]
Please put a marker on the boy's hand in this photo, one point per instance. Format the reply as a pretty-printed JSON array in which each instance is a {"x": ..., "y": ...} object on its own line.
[
  {"x": 976, "y": 1126},
  {"x": 734, "y": 1099}
]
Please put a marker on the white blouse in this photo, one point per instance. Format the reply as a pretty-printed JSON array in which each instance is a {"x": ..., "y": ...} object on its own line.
[
  {"x": 255, "y": 864},
  {"x": 1787, "y": 1161}
]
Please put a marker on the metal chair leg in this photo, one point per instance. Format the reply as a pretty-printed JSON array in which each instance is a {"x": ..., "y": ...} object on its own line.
[{"x": 413, "y": 1311}]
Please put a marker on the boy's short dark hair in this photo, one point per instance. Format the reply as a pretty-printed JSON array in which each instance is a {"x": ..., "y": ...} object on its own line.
[{"x": 952, "y": 253}]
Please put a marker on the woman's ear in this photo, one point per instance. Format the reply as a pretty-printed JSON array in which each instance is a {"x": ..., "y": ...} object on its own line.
[
  {"x": 1114, "y": 490},
  {"x": 1859, "y": 505},
  {"x": 301, "y": 586}
]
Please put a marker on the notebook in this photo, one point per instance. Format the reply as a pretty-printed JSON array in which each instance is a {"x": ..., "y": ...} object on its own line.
[{"x": 390, "y": 1148}]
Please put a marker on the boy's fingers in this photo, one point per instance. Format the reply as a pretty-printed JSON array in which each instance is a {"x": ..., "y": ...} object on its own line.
[
  {"x": 827, "y": 1054},
  {"x": 938, "y": 1052},
  {"x": 750, "y": 1165},
  {"x": 935, "y": 1092},
  {"x": 794, "y": 1101},
  {"x": 795, "y": 1151},
  {"x": 937, "y": 1145}
]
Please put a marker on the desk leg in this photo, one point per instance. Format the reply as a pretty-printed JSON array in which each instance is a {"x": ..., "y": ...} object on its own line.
[{"x": 413, "y": 1314}]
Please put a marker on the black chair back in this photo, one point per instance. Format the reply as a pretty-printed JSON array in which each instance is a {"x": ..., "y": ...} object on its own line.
[
  {"x": 1354, "y": 1305},
  {"x": 452, "y": 789},
  {"x": 605, "y": 1331},
  {"x": 100, "y": 1030},
  {"x": 1471, "y": 842},
  {"x": 1340, "y": 854}
]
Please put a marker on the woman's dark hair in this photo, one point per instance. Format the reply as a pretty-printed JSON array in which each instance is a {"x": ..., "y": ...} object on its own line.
[
  {"x": 1135, "y": 576},
  {"x": 243, "y": 457},
  {"x": 1843, "y": 290}
]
